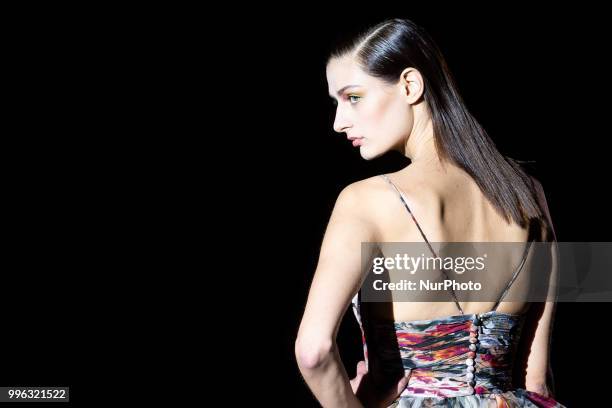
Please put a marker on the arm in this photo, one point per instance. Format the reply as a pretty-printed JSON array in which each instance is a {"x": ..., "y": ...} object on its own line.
[
  {"x": 337, "y": 278},
  {"x": 538, "y": 373},
  {"x": 539, "y": 377}
]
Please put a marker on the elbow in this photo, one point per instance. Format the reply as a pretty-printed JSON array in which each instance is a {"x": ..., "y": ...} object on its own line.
[{"x": 312, "y": 354}]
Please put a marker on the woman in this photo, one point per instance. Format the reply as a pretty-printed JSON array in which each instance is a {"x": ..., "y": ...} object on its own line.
[{"x": 393, "y": 91}]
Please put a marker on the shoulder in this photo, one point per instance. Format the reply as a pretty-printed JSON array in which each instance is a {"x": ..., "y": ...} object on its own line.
[
  {"x": 361, "y": 200},
  {"x": 373, "y": 200},
  {"x": 352, "y": 219},
  {"x": 374, "y": 195},
  {"x": 363, "y": 195},
  {"x": 362, "y": 187}
]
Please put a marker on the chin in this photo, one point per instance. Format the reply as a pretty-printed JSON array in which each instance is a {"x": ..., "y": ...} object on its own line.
[{"x": 368, "y": 154}]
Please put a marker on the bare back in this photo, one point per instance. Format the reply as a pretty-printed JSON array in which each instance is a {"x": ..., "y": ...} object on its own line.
[{"x": 449, "y": 207}]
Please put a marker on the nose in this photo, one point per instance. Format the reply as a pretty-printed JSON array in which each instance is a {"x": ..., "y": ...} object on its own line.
[{"x": 340, "y": 122}]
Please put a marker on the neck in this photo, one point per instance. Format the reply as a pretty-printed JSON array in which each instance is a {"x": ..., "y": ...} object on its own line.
[{"x": 420, "y": 147}]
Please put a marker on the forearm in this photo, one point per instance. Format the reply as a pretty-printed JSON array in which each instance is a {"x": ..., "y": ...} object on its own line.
[
  {"x": 329, "y": 382},
  {"x": 539, "y": 375}
]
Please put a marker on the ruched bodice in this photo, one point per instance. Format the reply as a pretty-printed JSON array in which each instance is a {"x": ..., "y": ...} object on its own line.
[
  {"x": 438, "y": 351},
  {"x": 458, "y": 361}
]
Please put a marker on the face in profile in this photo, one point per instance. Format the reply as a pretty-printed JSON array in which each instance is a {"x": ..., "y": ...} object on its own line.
[{"x": 375, "y": 115}]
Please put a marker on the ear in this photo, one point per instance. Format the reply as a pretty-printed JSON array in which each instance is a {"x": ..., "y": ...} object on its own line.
[{"x": 412, "y": 84}]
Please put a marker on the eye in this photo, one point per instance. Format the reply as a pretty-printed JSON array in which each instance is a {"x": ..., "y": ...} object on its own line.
[{"x": 353, "y": 101}]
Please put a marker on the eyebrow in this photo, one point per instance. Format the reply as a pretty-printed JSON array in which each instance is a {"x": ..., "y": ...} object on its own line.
[{"x": 344, "y": 88}]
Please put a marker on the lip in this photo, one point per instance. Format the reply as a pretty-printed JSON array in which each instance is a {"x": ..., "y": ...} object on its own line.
[{"x": 357, "y": 141}]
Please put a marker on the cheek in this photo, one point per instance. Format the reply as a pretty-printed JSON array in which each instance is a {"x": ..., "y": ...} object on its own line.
[
  {"x": 388, "y": 119},
  {"x": 397, "y": 119},
  {"x": 376, "y": 117}
]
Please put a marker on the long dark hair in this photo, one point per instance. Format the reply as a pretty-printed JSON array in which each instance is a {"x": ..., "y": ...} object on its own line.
[{"x": 384, "y": 51}]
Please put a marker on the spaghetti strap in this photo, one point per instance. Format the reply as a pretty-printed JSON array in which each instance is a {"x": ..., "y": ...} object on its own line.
[
  {"x": 516, "y": 273},
  {"x": 401, "y": 196}
]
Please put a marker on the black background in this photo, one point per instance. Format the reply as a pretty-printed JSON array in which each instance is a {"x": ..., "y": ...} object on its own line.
[{"x": 146, "y": 144}]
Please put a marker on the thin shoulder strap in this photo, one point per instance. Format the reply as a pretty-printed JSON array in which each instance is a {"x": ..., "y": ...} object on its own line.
[
  {"x": 401, "y": 196},
  {"x": 515, "y": 275},
  {"x": 424, "y": 237}
]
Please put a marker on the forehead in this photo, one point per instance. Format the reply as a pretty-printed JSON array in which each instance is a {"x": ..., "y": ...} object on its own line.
[{"x": 345, "y": 71}]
